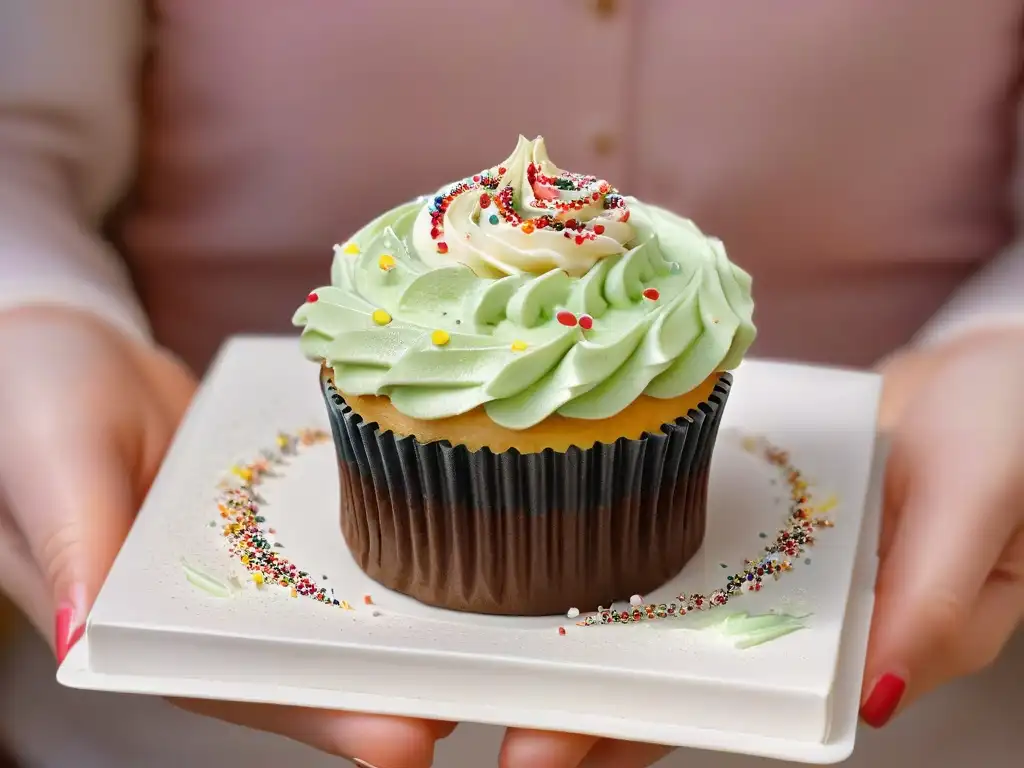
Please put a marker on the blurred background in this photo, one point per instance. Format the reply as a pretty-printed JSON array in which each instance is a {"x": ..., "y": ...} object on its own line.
[{"x": 180, "y": 170}]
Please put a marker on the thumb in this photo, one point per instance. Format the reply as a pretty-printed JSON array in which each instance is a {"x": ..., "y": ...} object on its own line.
[
  {"x": 947, "y": 535},
  {"x": 71, "y": 497}
]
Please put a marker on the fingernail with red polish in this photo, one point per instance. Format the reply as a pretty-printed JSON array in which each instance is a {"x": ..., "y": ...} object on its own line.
[
  {"x": 883, "y": 701},
  {"x": 69, "y": 623},
  {"x": 62, "y": 630}
]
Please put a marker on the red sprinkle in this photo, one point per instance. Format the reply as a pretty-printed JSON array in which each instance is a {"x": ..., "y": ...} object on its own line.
[
  {"x": 561, "y": 630},
  {"x": 312, "y": 298},
  {"x": 442, "y": 247},
  {"x": 566, "y": 318},
  {"x": 579, "y": 239},
  {"x": 652, "y": 294},
  {"x": 502, "y": 170},
  {"x": 485, "y": 200},
  {"x": 599, "y": 229},
  {"x": 435, "y": 233},
  {"x": 586, "y": 322}
]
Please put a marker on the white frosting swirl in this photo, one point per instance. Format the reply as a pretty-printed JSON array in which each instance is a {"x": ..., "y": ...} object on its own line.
[{"x": 524, "y": 216}]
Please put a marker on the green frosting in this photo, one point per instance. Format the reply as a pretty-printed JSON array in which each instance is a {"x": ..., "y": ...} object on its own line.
[{"x": 504, "y": 345}]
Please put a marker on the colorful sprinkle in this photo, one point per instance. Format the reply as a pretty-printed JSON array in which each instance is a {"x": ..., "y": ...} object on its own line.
[
  {"x": 439, "y": 338},
  {"x": 381, "y": 317},
  {"x": 528, "y": 228},
  {"x": 312, "y": 298},
  {"x": 519, "y": 346},
  {"x": 586, "y": 322},
  {"x": 561, "y": 630},
  {"x": 442, "y": 247},
  {"x": 367, "y": 600},
  {"x": 599, "y": 229},
  {"x": 387, "y": 262},
  {"x": 566, "y": 318},
  {"x": 351, "y": 249},
  {"x": 247, "y": 538},
  {"x": 776, "y": 559},
  {"x": 652, "y": 294},
  {"x": 555, "y": 196}
]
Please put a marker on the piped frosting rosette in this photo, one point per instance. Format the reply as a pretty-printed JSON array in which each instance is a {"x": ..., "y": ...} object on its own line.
[{"x": 529, "y": 291}]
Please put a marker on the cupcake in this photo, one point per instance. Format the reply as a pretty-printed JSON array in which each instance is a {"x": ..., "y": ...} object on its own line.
[{"x": 525, "y": 375}]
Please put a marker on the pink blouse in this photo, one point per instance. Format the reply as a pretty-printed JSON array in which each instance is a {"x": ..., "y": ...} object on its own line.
[{"x": 856, "y": 156}]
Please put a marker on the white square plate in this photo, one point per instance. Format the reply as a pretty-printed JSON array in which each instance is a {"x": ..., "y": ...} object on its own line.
[{"x": 152, "y": 631}]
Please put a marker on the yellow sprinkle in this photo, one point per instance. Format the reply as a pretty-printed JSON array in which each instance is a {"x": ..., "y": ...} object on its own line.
[
  {"x": 830, "y": 503},
  {"x": 351, "y": 249},
  {"x": 440, "y": 338},
  {"x": 386, "y": 262},
  {"x": 243, "y": 472},
  {"x": 519, "y": 346},
  {"x": 258, "y": 578},
  {"x": 295, "y": 592},
  {"x": 381, "y": 317},
  {"x": 245, "y": 559},
  {"x": 346, "y": 606},
  {"x": 528, "y": 228}
]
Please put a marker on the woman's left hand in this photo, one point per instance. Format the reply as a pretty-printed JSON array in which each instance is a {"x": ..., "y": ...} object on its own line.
[{"x": 950, "y": 589}]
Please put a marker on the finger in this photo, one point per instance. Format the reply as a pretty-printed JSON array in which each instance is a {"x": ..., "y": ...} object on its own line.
[
  {"x": 983, "y": 633},
  {"x": 893, "y": 501},
  {"x": 172, "y": 384},
  {"x": 172, "y": 387},
  {"x": 156, "y": 442},
  {"x": 949, "y": 536},
  {"x": 20, "y": 577},
  {"x": 525, "y": 748},
  {"x": 72, "y": 499},
  {"x": 379, "y": 741},
  {"x": 624, "y": 754}
]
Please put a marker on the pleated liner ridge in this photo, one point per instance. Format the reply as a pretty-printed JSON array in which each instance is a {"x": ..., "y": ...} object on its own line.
[{"x": 524, "y": 534}]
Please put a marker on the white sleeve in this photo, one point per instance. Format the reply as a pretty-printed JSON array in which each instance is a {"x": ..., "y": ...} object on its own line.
[
  {"x": 995, "y": 295},
  {"x": 68, "y": 78}
]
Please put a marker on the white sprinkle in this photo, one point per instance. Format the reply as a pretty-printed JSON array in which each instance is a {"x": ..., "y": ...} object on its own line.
[
  {"x": 636, "y": 600},
  {"x": 573, "y": 613}
]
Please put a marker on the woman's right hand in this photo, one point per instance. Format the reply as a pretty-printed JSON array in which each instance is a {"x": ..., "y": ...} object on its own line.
[{"x": 86, "y": 415}]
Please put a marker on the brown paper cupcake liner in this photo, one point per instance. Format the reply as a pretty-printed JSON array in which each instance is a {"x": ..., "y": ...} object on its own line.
[{"x": 524, "y": 534}]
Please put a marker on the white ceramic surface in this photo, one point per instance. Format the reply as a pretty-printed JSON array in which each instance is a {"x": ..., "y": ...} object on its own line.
[{"x": 409, "y": 659}]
